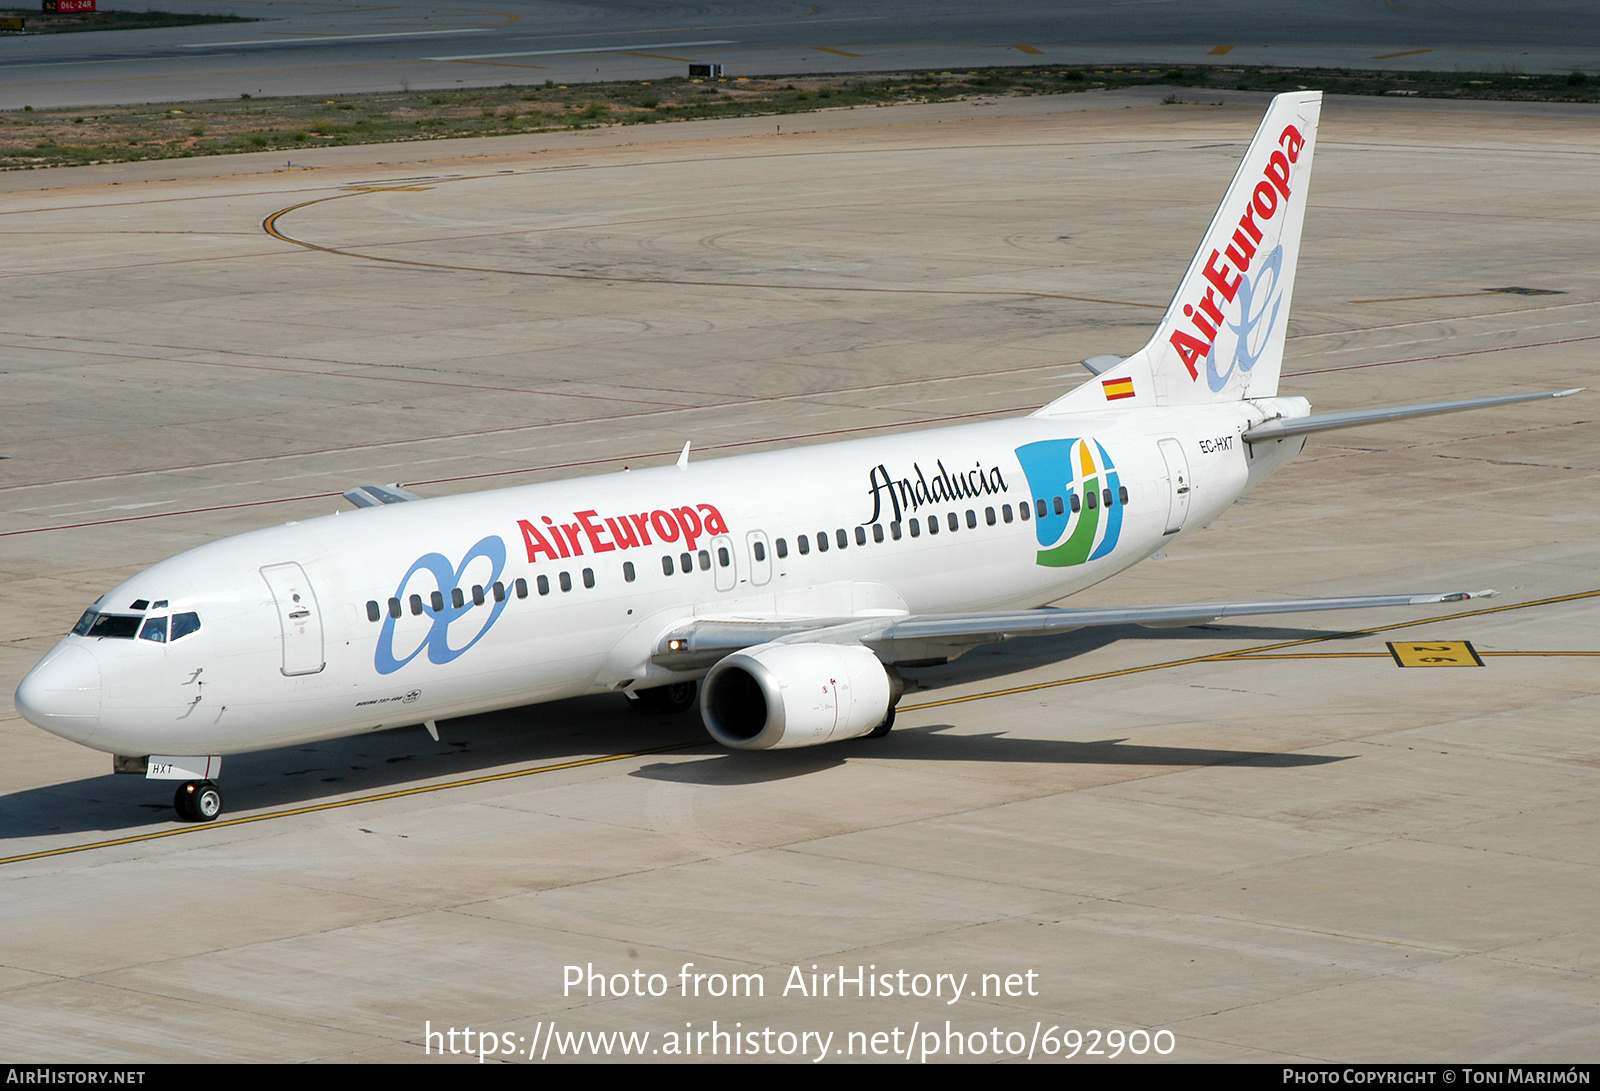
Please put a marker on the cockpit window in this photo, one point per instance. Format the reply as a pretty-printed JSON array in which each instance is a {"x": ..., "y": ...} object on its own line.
[
  {"x": 154, "y": 629},
  {"x": 184, "y": 624},
  {"x": 117, "y": 626}
]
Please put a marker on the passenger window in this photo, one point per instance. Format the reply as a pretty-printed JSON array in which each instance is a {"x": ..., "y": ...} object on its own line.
[
  {"x": 522, "y": 588},
  {"x": 877, "y": 532},
  {"x": 184, "y": 624},
  {"x": 761, "y": 551},
  {"x": 666, "y": 565},
  {"x": 438, "y": 602},
  {"x": 394, "y": 607},
  {"x": 627, "y": 571},
  {"x": 1061, "y": 506},
  {"x": 499, "y": 591},
  {"x": 705, "y": 560},
  {"x": 1005, "y": 512},
  {"x": 416, "y": 604},
  {"x": 972, "y": 518},
  {"x": 894, "y": 530},
  {"x": 373, "y": 613},
  {"x": 841, "y": 537},
  {"x": 783, "y": 549},
  {"x": 566, "y": 581},
  {"x": 1024, "y": 511},
  {"x": 457, "y": 599},
  {"x": 1105, "y": 498},
  {"x": 723, "y": 560},
  {"x": 1089, "y": 500},
  {"x": 988, "y": 516},
  {"x": 822, "y": 541},
  {"x": 954, "y": 520},
  {"x": 588, "y": 577},
  {"x": 155, "y": 629},
  {"x": 1042, "y": 511},
  {"x": 861, "y": 536},
  {"x": 685, "y": 563},
  {"x": 916, "y": 527},
  {"x": 805, "y": 545},
  {"x": 543, "y": 583},
  {"x": 477, "y": 595},
  {"x": 1122, "y": 495},
  {"x": 1076, "y": 503},
  {"x": 933, "y": 524}
]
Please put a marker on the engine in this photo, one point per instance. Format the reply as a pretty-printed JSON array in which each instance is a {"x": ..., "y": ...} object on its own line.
[{"x": 775, "y": 696}]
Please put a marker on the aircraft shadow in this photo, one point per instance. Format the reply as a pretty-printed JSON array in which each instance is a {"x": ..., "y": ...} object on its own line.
[
  {"x": 931, "y": 744},
  {"x": 1025, "y": 653}
]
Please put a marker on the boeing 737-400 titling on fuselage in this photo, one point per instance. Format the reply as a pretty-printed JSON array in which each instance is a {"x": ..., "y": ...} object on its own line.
[{"x": 793, "y": 582}]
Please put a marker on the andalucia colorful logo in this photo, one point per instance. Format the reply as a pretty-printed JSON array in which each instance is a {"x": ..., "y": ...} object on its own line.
[{"x": 1080, "y": 472}]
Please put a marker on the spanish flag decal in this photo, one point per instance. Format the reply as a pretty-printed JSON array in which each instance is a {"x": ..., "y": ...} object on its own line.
[{"x": 1117, "y": 389}]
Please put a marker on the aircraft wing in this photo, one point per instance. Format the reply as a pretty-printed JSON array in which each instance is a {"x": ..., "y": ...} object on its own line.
[{"x": 935, "y": 637}]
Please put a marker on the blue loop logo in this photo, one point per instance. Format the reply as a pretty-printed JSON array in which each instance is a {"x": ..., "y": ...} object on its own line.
[
  {"x": 1249, "y": 319},
  {"x": 446, "y": 579}
]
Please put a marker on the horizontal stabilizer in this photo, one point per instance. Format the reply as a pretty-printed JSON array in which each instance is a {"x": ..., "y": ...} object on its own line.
[
  {"x": 373, "y": 496},
  {"x": 1284, "y": 427}
]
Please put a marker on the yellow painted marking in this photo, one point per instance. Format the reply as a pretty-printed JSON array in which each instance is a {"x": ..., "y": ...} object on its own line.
[
  {"x": 1029, "y": 49},
  {"x": 840, "y": 52},
  {"x": 353, "y": 801},
  {"x": 504, "y": 64},
  {"x": 1220, "y": 50},
  {"x": 1435, "y": 653},
  {"x": 1407, "y": 53},
  {"x": 660, "y": 57}
]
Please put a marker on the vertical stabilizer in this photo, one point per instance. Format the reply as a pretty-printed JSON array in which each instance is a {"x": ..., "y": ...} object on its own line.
[{"x": 1223, "y": 334}]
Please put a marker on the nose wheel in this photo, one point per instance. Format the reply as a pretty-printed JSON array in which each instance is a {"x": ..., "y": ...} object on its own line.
[{"x": 198, "y": 801}]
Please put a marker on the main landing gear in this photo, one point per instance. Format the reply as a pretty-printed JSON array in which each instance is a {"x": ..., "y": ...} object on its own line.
[
  {"x": 884, "y": 728},
  {"x": 198, "y": 801},
  {"x": 673, "y": 699}
]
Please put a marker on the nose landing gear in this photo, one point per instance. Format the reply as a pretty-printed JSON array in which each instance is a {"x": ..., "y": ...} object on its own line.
[{"x": 198, "y": 801}]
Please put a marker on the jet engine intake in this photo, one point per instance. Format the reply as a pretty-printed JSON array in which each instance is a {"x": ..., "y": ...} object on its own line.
[{"x": 775, "y": 696}]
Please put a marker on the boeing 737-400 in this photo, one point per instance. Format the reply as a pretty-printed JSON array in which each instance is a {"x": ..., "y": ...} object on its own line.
[{"x": 790, "y": 585}]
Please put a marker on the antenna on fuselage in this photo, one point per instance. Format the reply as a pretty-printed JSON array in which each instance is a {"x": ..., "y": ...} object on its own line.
[{"x": 683, "y": 459}]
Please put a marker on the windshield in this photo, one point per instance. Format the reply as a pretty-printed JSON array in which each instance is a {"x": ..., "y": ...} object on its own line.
[
  {"x": 119, "y": 626},
  {"x": 127, "y": 626}
]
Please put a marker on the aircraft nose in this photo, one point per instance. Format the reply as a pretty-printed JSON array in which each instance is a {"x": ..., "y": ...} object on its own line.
[{"x": 62, "y": 694}]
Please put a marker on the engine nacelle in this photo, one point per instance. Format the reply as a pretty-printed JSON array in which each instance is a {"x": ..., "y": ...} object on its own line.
[{"x": 775, "y": 696}]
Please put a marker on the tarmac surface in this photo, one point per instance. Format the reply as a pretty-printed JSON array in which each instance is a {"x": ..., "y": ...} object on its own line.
[
  {"x": 1270, "y": 840},
  {"x": 300, "y": 49}
]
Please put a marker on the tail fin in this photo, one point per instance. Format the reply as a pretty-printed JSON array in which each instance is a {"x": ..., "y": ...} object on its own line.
[{"x": 1222, "y": 336}]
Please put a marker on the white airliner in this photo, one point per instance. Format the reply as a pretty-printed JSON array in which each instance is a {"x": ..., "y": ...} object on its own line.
[{"x": 793, "y": 582}]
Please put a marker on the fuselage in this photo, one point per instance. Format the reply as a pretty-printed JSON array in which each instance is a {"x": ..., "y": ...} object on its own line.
[{"x": 394, "y": 615}]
